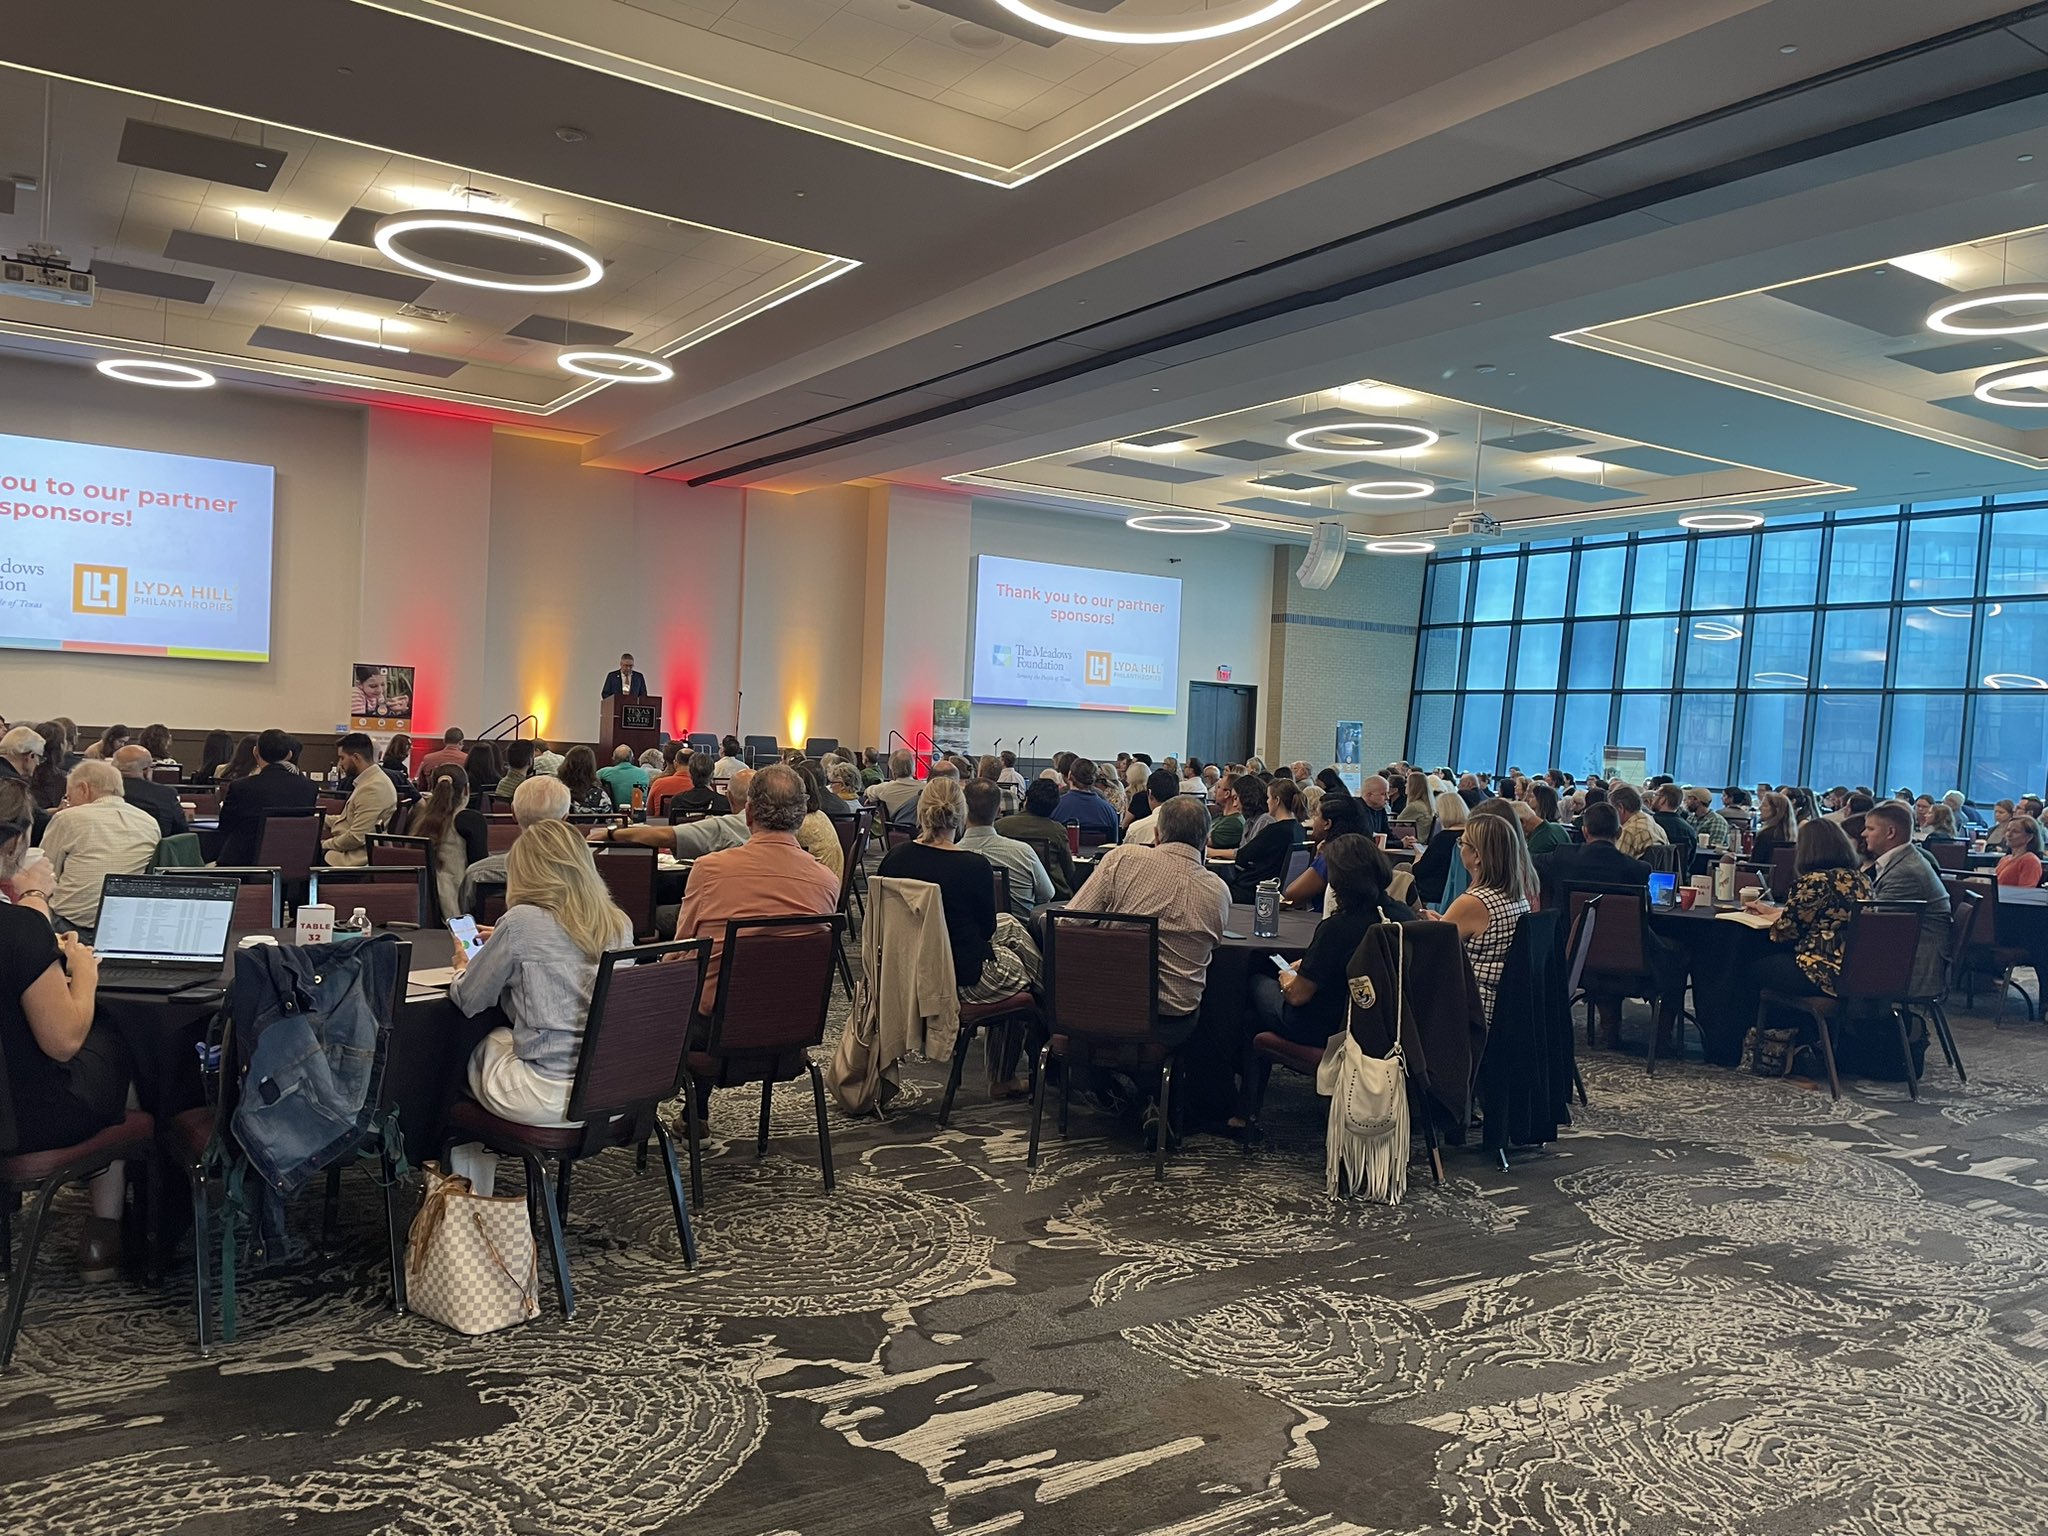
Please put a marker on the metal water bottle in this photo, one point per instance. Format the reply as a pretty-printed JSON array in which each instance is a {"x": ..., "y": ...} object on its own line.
[{"x": 1266, "y": 910}]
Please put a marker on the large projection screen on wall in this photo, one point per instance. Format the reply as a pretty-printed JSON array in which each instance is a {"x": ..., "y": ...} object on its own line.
[
  {"x": 136, "y": 554},
  {"x": 1070, "y": 637}
]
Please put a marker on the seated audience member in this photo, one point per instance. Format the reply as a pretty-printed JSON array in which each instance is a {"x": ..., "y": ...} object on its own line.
[
  {"x": 540, "y": 798},
  {"x": 993, "y": 954},
  {"x": 242, "y": 762},
  {"x": 1665, "y": 810},
  {"x": 1264, "y": 856},
  {"x": 1034, "y": 827},
  {"x": 1330, "y": 780},
  {"x": 621, "y": 776},
  {"x": 540, "y": 966},
  {"x": 71, "y": 756},
  {"x": 579, "y": 773},
  {"x": 1111, "y": 788},
  {"x": 1596, "y": 863},
  {"x": 112, "y": 740},
  {"x": 768, "y": 875},
  {"x": 1432, "y": 866},
  {"x": 1494, "y": 901},
  {"x": 1901, "y": 872},
  {"x": 21, "y": 762},
  {"x": 456, "y": 836},
  {"x": 1253, "y": 795},
  {"x": 1374, "y": 819},
  {"x": 843, "y": 784},
  {"x": 1335, "y": 814},
  {"x": 243, "y": 805},
  {"x": 1777, "y": 826},
  {"x": 1169, "y": 881},
  {"x": 1012, "y": 783},
  {"x": 896, "y": 797},
  {"x": 1137, "y": 792},
  {"x": 1735, "y": 807},
  {"x": 690, "y": 839},
  {"x": 156, "y": 739},
  {"x": 1959, "y": 807},
  {"x": 1709, "y": 827},
  {"x": 1469, "y": 790},
  {"x": 97, "y": 834},
  {"x": 1191, "y": 782},
  {"x": 1298, "y": 770},
  {"x": 214, "y": 755},
  {"x": 139, "y": 789},
  {"x": 2030, "y": 805},
  {"x": 674, "y": 781},
  {"x": 1226, "y": 816},
  {"x": 1545, "y": 833},
  {"x": 371, "y": 800},
  {"x": 397, "y": 766},
  {"x": 1160, "y": 787},
  {"x": 1812, "y": 928},
  {"x": 730, "y": 759},
  {"x": 2001, "y": 813},
  {"x": 1416, "y": 819},
  {"x": 1941, "y": 824},
  {"x": 450, "y": 754},
  {"x": 545, "y": 758},
  {"x": 816, "y": 832},
  {"x": 1638, "y": 829},
  {"x": 2021, "y": 865},
  {"x": 1083, "y": 805},
  {"x": 66, "y": 1080},
  {"x": 701, "y": 799},
  {"x": 518, "y": 768},
  {"x": 1030, "y": 885}
]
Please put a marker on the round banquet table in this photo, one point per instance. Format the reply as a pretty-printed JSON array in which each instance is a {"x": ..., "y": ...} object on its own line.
[{"x": 1721, "y": 957}]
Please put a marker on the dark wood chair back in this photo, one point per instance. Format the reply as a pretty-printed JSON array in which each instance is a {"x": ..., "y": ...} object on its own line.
[
  {"x": 1616, "y": 946},
  {"x": 1102, "y": 975},
  {"x": 636, "y": 1039},
  {"x": 1298, "y": 861},
  {"x": 628, "y": 873},
  {"x": 1948, "y": 855},
  {"x": 169, "y": 773},
  {"x": 290, "y": 843},
  {"x": 1090, "y": 837},
  {"x": 394, "y": 896},
  {"x": 1878, "y": 952},
  {"x": 1965, "y": 914},
  {"x": 1782, "y": 870},
  {"x": 394, "y": 849},
  {"x": 259, "y": 904},
  {"x": 774, "y": 981},
  {"x": 490, "y": 904},
  {"x": 1579, "y": 945},
  {"x": 500, "y": 832}
]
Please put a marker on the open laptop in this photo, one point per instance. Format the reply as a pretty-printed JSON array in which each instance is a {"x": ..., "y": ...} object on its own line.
[{"x": 163, "y": 933}]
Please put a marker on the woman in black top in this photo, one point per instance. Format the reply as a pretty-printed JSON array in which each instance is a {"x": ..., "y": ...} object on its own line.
[
  {"x": 1433, "y": 865},
  {"x": 397, "y": 766},
  {"x": 993, "y": 954},
  {"x": 456, "y": 836},
  {"x": 220, "y": 746},
  {"x": 241, "y": 762},
  {"x": 579, "y": 777},
  {"x": 66, "y": 1080},
  {"x": 1264, "y": 857}
]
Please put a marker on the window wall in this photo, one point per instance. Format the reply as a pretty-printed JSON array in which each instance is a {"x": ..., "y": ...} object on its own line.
[{"x": 1889, "y": 646}]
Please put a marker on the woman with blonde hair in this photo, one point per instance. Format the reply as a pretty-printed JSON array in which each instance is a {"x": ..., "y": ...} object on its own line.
[
  {"x": 1495, "y": 900},
  {"x": 1433, "y": 865},
  {"x": 1777, "y": 823},
  {"x": 540, "y": 965},
  {"x": 1416, "y": 815}
]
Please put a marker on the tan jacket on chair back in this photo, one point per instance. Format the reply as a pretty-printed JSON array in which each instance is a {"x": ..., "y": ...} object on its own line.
[{"x": 907, "y": 1000}]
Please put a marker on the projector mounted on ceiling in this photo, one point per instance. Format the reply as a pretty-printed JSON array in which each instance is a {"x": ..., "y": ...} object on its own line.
[
  {"x": 1473, "y": 525},
  {"x": 41, "y": 272}
]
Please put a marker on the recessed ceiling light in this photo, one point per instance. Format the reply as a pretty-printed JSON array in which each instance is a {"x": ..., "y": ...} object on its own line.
[
  {"x": 458, "y": 195},
  {"x": 1400, "y": 546},
  {"x": 1378, "y": 397},
  {"x": 286, "y": 223},
  {"x": 1935, "y": 266},
  {"x": 1177, "y": 522},
  {"x": 616, "y": 365},
  {"x": 1221, "y": 22},
  {"x": 2003, "y": 386},
  {"x": 1720, "y": 522},
  {"x": 1789, "y": 48},
  {"x": 1306, "y": 440},
  {"x": 2013, "y": 680},
  {"x": 1947, "y": 316},
  {"x": 1571, "y": 464},
  {"x": 157, "y": 372},
  {"x": 395, "y": 229},
  {"x": 1389, "y": 490},
  {"x": 363, "y": 341},
  {"x": 2026, "y": 159}
]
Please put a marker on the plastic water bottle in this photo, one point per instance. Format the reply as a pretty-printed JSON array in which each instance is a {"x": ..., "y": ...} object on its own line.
[
  {"x": 1266, "y": 910},
  {"x": 360, "y": 919}
]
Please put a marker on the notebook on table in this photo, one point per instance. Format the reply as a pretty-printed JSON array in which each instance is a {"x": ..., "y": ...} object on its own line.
[{"x": 163, "y": 933}]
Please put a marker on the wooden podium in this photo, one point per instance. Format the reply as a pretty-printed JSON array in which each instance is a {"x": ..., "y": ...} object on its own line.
[{"x": 629, "y": 720}]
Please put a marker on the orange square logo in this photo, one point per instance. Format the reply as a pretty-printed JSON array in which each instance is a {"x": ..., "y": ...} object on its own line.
[
  {"x": 1095, "y": 673},
  {"x": 101, "y": 589}
]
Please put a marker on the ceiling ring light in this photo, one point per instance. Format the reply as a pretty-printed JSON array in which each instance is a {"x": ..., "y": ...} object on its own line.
[
  {"x": 1963, "y": 613},
  {"x": 2014, "y": 680},
  {"x": 1302, "y": 441},
  {"x": 1070, "y": 21},
  {"x": 616, "y": 365},
  {"x": 1992, "y": 387},
  {"x": 157, "y": 372},
  {"x": 1389, "y": 490},
  {"x": 1177, "y": 522},
  {"x": 1944, "y": 316},
  {"x": 1779, "y": 679},
  {"x": 1714, "y": 629},
  {"x": 1721, "y": 522},
  {"x": 1400, "y": 546},
  {"x": 393, "y": 229}
]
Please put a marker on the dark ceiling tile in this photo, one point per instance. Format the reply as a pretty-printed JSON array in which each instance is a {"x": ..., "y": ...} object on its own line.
[{"x": 202, "y": 156}]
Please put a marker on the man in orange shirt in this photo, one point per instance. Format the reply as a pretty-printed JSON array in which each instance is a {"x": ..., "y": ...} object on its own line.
[
  {"x": 676, "y": 780},
  {"x": 770, "y": 875},
  {"x": 451, "y": 750}
]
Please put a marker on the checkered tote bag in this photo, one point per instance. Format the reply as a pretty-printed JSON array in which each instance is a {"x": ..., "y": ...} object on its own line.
[{"x": 470, "y": 1262}]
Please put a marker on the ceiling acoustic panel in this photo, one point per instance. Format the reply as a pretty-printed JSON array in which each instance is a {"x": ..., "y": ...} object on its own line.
[
  {"x": 1290, "y": 480},
  {"x": 122, "y": 278},
  {"x": 1250, "y": 451},
  {"x": 1138, "y": 469},
  {"x": 1166, "y": 437},
  {"x": 1887, "y": 300},
  {"x": 1542, "y": 440},
  {"x": 291, "y": 267},
  {"x": 358, "y": 227},
  {"x": 272, "y": 338},
  {"x": 1279, "y": 507},
  {"x": 1654, "y": 461},
  {"x": 6, "y": 195},
  {"x": 1978, "y": 352},
  {"x": 1558, "y": 488},
  {"x": 201, "y": 156},
  {"x": 567, "y": 333}
]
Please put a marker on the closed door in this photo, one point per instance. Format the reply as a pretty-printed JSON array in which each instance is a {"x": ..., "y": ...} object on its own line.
[{"x": 1221, "y": 718}]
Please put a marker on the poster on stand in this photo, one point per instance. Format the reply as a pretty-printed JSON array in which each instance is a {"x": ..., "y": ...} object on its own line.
[
  {"x": 380, "y": 697},
  {"x": 1350, "y": 758},
  {"x": 949, "y": 726}
]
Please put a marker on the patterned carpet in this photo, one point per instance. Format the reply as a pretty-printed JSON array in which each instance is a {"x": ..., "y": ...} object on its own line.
[{"x": 1721, "y": 1306}]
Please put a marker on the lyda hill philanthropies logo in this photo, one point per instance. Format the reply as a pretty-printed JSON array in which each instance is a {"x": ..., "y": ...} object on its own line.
[
  {"x": 99, "y": 589},
  {"x": 1096, "y": 669}
]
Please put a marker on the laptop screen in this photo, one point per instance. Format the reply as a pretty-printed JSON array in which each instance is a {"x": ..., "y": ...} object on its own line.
[{"x": 165, "y": 917}]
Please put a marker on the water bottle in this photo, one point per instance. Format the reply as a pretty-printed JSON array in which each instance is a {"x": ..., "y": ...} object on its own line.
[
  {"x": 1266, "y": 910},
  {"x": 360, "y": 919},
  {"x": 1724, "y": 880}
]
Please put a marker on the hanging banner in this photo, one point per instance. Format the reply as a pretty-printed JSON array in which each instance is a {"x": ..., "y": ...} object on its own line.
[
  {"x": 949, "y": 725},
  {"x": 1350, "y": 758}
]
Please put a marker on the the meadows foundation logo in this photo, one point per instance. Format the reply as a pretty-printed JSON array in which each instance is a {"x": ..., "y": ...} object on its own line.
[
  {"x": 99, "y": 589},
  {"x": 1000, "y": 655}
]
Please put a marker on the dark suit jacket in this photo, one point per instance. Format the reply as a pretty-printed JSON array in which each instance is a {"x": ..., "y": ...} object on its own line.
[
  {"x": 1580, "y": 864},
  {"x": 248, "y": 801},
  {"x": 611, "y": 684},
  {"x": 160, "y": 800}
]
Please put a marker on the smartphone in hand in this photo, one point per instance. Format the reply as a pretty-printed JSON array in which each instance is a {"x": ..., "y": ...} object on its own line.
[{"x": 466, "y": 936}]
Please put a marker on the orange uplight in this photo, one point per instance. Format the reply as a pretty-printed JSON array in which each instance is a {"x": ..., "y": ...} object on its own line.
[
  {"x": 537, "y": 706},
  {"x": 798, "y": 721}
]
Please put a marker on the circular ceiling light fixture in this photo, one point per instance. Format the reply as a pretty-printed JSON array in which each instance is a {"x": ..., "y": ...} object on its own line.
[
  {"x": 1950, "y": 316},
  {"x": 157, "y": 372},
  {"x": 487, "y": 250},
  {"x": 2023, "y": 386},
  {"x": 1713, "y": 629},
  {"x": 1779, "y": 679},
  {"x": 616, "y": 365},
  {"x": 1177, "y": 522},
  {"x": 1389, "y": 490},
  {"x": 1400, "y": 546},
  {"x": 1720, "y": 522},
  {"x": 2014, "y": 680},
  {"x": 1071, "y": 21},
  {"x": 1317, "y": 439}
]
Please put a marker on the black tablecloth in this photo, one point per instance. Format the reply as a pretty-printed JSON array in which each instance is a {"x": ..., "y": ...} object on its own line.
[
  {"x": 1721, "y": 957},
  {"x": 1205, "y": 1082}
]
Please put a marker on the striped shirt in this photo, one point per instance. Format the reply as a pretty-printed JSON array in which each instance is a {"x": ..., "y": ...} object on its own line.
[{"x": 1169, "y": 882}]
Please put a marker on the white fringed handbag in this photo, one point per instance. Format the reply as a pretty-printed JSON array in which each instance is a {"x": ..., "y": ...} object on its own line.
[
  {"x": 470, "y": 1262},
  {"x": 1367, "y": 1140}
]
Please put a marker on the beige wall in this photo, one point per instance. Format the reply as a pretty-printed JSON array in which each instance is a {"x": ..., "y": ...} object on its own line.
[
  {"x": 803, "y": 616},
  {"x": 1344, "y": 653}
]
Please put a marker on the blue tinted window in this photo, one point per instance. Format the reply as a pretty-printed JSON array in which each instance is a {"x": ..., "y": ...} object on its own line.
[
  {"x": 1429, "y": 735},
  {"x": 1660, "y": 577},
  {"x": 1644, "y": 721},
  {"x": 1720, "y": 574},
  {"x": 1934, "y": 647},
  {"x": 1788, "y": 567},
  {"x": 1583, "y": 733},
  {"x": 2008, "y": 744},
  {"x": 1927, "y": 729},
  {"x": 1706, "y": 729},
  {"x": 1780, "y": 651},
  {"x": 1592, "y": 654},
  {"x": 2019, "y": 554},
  {"x": 1543, "y": 589},
  {"x": 1447, "y": 591},
  {"x": 1440, "y": 648},
  {"x": 1844, "y": 739},
  {"x": 1648, "y": 654},
  {"x": 1860, "y": 569},
  {"x": 2015, "y": 653},
  {"x": 1772, "y": 734},
  {"x": 1853, "y": 648},
  {"x": 1600, "y": 575},
  {"x": 1479, "y": 733},
  {"x": 1941, "y": 557},
  {"x": 1495, "y": 597},
  {"x": 1713, "y": 651},
  {"x": 1530, "y": 716},
  {"x": 1486, "y": 657},
  {"x": 1536, "y": 656}
]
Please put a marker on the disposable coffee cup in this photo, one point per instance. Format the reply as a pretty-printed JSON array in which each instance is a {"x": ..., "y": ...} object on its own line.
[
  {"x": 1379, "y": 839},
  {"x": 1687, "y": 895},
  {"x": 316, "y": 923}
]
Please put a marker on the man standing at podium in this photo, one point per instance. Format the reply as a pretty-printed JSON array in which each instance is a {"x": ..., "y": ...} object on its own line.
[{"x": 624, "y": 681}]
